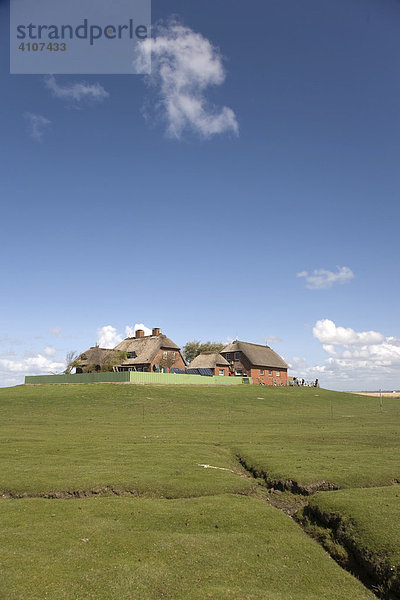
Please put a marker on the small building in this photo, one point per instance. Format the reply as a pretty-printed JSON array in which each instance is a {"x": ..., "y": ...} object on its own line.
[
  {"x": 259, "y": 362},
  {"x": 155, "y": 352},
  {"x": 213, "y": 361}
]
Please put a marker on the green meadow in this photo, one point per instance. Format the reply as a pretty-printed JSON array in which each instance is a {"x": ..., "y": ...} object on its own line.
[{"x": 140, "y": 491}]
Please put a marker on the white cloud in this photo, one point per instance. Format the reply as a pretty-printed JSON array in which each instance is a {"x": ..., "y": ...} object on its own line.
[
  {"x": 36, "y": 125},
  {"x": 77, "y": 91},
  {"x": 13, "y": 370},
  {"x": 107, "y": 337},
  {"x": 56, "y": 331},
  {"x": 321, "y": 279},
  {"x": 49, "y": 351},
  {"x": 183, "y": 65},
  {"x": 364, "y": 360},
  {"x": 327, "y": 332}
]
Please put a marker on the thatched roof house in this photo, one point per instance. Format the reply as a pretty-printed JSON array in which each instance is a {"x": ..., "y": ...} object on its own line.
[
  {"x": 257, "y": 361},
  {"x": 155, "y": 352}
]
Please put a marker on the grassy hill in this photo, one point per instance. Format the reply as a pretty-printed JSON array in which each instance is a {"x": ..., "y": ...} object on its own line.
[{"x": 109, "y": 490}]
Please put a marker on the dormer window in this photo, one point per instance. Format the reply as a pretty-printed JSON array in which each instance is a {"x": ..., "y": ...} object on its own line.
[
  {"x": 237, "y": 355},
  {"x": 131, "y": 354},
  {"x": 83, "y": 357}
]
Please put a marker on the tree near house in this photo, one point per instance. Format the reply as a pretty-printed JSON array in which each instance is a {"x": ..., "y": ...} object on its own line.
[
  {"x": 194, "y": 348},
  {"x": 70, "y": 361},
  {"x": 167, "y": 360}
]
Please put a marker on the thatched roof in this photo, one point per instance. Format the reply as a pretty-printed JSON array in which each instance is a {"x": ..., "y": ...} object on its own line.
[
  {"x": 95, "y": 356},
  {"x": 208, "y": 360},
  {"x": 145, "y": 348},
  {"x": 257, "y": 355}
]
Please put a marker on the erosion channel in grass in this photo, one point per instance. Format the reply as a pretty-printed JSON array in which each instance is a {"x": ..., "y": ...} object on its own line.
[{"x": 361, "y": 529}]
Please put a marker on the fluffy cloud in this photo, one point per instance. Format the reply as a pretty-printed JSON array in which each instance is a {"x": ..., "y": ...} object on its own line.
[
  {"x": 347, "y": 347},
  {"x": 327, "y": 332},
  {"x": 36, "y": 125},
  {"x": 356, "y": 360},
  {"x": 321, "y": 279},
  {"x": 183, "y": 65},
  {"x": 76, "y": 91},
  {"x": 14, "y": 368},
  {"x": 107, "y": 337}
]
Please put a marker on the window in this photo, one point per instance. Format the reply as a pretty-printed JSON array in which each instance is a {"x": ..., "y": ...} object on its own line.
[
  {"x": 270, "y": 373},
  {"x": 83, "y": 357},
  {"x": 278, "y": 373},
  {"x": 239, "y": 372},
  {"x": 131, "y": 354},
  {"x": 173, "y": 355},
  {"x": 228, "y": 356},
  {"x": 237, "y": 355},
  {"x": 261, "y": 371},
  {"x": 165, "y": 354},
  {"x": 221, "y": 372}
]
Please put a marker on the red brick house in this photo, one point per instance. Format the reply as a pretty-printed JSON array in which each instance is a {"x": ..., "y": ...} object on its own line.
[
  {"x": 213, "y": 361},
  {"x": 260, "y": 363},
  {"x": 155, "y": 352}
]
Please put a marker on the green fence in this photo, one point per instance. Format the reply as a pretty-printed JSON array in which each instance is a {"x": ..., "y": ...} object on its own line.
[
  {"x": 176, "y": 378},
  {"x": 136, "y": 377},
  {"x": 80, "y": 378}
]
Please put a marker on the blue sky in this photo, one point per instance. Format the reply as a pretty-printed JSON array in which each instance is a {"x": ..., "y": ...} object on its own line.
[{"x": 115, "y": 213}]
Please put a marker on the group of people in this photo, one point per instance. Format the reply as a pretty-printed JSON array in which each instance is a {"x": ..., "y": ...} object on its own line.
[{"x": 303, "y": 382}]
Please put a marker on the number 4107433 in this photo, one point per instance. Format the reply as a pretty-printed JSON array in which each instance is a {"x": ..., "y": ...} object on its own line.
[{"x": 42, "y": 46}]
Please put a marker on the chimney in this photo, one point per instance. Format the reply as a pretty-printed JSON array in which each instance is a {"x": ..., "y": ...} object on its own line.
[
  {"x": 139, "y": 333},
  {"x": 156, "y": 331}
]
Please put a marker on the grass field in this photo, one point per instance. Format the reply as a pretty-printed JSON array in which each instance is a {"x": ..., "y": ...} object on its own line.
[
  {"x": 158, "y": 524},
  {"x": 215, "y": 547}
]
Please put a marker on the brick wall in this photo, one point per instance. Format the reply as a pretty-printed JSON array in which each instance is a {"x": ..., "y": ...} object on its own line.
[
  {"x": 223, "y": 368},
  {"x": 178, "y": 364},
  {"x": 269, "y": 377}
]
